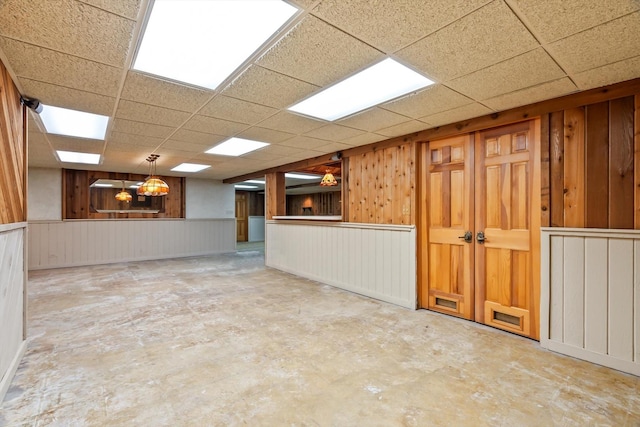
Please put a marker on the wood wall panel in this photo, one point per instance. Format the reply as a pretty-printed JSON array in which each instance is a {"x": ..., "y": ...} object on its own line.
[
  {"x": 77, "y": 203},
  {"x": 381, "y": 186},
  {"x": 590, "y": 295},
  {"x": 593, "y": 166},
  {"x": 381, "y": 262},
  {"x": 58, "y": 244},
  {"x": 325, "y": 203},
  {"x": 12, "y": 152},
  {"x": 276, "y": 197}
]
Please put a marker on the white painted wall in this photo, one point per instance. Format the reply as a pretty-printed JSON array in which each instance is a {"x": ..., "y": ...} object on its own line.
[
  {"x": 378, "y": 261},
  {"x": 590, "y": 295},
  {"x": 12, "y": 290},
  {"x": 44, "y": 196},
  {"x": 206, "y": 198}
]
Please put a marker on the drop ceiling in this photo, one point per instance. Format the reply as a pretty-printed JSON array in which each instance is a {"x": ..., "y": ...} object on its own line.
[{"x": 484, "y": 56}]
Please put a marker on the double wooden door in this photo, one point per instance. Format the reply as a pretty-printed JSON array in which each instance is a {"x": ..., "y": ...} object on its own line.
[{"x": 482, "y": 223}]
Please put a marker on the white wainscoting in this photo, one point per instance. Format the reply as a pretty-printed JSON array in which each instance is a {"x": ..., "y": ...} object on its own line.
[
  {"x": 378, "y": 261},
  {"x": 88, "y": 242},
  {"x": 12, "y": 303},
  {"x": 590, "y": 295}
]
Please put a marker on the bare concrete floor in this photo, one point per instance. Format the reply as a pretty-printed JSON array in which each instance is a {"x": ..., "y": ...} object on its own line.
[{"x": 224, "y": 341}]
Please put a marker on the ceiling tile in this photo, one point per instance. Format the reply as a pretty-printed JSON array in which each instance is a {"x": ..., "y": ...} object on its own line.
[
  {"x": 236, "y": 110},
  {"x": 45, "y": 65},
  {"x": 607, "y": 43},
  {"x": 200, "y": 138},
  {"x": 553, "y": 89},
  {"x": 608, "y": 74},
  {"x": 138, "y": 128},
  {"x": 556, "y": 19},
  {"x": 403, "y": 128},
  {"x": 373, "y": 119},
  {"x": 138, "y": 112},
  {"x": 291, "y": 123},
  {"x": 121, "y": 138},
  {"x": 429, "y": 101},
  {"x": 333, "y": 53},
  {"x": 193, "y": 148},
  {"x": 127, "y": 8},
  {"x": 214, "y": 126},
  {"x": 364, "y": 139},
  {"x": 304, "y": 142},
  {"x": 334, "y": 132},
  {"x": 89, "y": 32},
  {"x": 261, "y": 155},
  {"x": 269, "y": 88},
  {"x": 391, "y": 25},
  {"x": 529, "y": 69},
  {"x": 283, "y": 150},
  {"x": 163, "y": 93},
  {"x": 67, "y": 143},
  {"x": 64, "y": 97},
  {"x": 265, "y": 135},
  {"x": 457, "y": 114},
  {"x": 485, "y": 37}
]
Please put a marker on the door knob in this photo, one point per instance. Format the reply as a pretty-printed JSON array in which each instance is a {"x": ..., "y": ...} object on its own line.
[
  {"x": 480, "y": 237},
  {"x": 468, "y": 236}
]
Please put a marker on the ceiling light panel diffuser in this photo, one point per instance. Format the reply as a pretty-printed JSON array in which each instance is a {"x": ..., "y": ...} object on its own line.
[
  {"x": 247, "y": 187},
  {"x": 76, "y": 157},
  {"x": 379, "y": 83},
  {"x": 62, "y": 121},
  {"x": 190, "y": 167},
  {"x": 236, "y": 147},
  {"x": 301, "y": 176},
  {"x": 202, "y": 42}
]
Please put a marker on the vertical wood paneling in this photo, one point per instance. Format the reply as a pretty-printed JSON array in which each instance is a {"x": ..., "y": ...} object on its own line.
[
  {"x": 275, "y": 193},
  {"x": 381, "y": 265},
  {"x": 545, "y": 170},
  {"x": 621, "y": 157},
  {"x": 556, "y": 182},
  {"x": 573, "y": 310},
  {"x": 73, "y": 243},
  {"x": 636, "y": 161},
  {"x": 574, "y": 167},
  {"x": 597, "y": 165},
  {"x": 621, "y": 326},
  {"x": 596, "y": 305}
]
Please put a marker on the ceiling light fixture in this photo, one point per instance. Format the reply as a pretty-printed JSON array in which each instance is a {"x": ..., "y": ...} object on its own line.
[
  {"x": 124, "y": 195},
  {"x": 245, "y": 186},
  {"x": 62, "y": 121},
  {"x": 236, "y": 147},
  {"x": 208, "y": 40},
  {"x": 384, "y": 81},
  {"x": 153, "y": 186},
  {"x": 190, "y": 167},
  {"x": 300, "y": 176},
  {"x": 328, "y": 180},
  {"x": 76, "y": 157}
]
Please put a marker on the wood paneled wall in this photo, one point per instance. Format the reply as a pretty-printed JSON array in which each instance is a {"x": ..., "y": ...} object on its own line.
[
  {"x": 326, "y": 203},
  {"x": 256, "y": 203},
  {"x": 591, "y": 166},
  {"x": 77, "y": 203},
  {"x": 276, "y": 197},
  {"x": 12, "y": 152},
  {"x": 381, "y": 186}
]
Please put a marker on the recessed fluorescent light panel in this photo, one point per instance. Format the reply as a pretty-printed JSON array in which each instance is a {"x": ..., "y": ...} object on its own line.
[
  {"x": 301, "y": 176},
  {"x": 75, "y": 157},
  {"x": 255, "y": 181},
  {"x": 189, "y": 167},
  {"x": 202, "y": 42},
  {"x": 102, "y": 185},
  {"x": 62, "y": 121},
  {"x": 379, "y": 83},
  {"x": 236, "y": 147},
  {"x": 245, "y": 186}
]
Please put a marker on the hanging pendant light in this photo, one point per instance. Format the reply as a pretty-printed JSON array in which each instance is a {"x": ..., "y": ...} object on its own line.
[
  {"x": 328, "y": 180},
  {"x": 124, "y": 196},
  {"x": 153, "y": 186}
]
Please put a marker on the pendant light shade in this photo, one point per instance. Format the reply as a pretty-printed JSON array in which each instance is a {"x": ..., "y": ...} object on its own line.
[
  {"x": 153, "y": 186},
  {"x": 328, "y": 180},
  {"x": 124, "y": 196}
]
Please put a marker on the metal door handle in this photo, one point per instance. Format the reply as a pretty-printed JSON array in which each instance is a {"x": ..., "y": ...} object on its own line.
[
  {"x": 480, "y": 237},
  {"x": 468, "y": 236}
]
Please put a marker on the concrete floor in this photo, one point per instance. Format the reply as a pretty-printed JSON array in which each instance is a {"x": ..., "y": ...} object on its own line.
[{"x": 224, "y": 341}]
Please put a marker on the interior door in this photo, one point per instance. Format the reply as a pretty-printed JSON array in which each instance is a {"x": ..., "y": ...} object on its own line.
[
  {"x": 450, "y": 226},
  {"x": 506, "y": 230},
  {"x": 242, "y": 220}
]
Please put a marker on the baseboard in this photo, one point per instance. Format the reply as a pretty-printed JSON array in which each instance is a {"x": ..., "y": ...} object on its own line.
[{"x": 6, "y": 380}]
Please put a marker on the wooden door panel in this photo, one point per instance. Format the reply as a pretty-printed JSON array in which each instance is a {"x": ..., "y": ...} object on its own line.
[
  {"x": 242, "y": 219},
  {"x": 450, "y": 277},
  {"x": 504, "y": 193}
]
